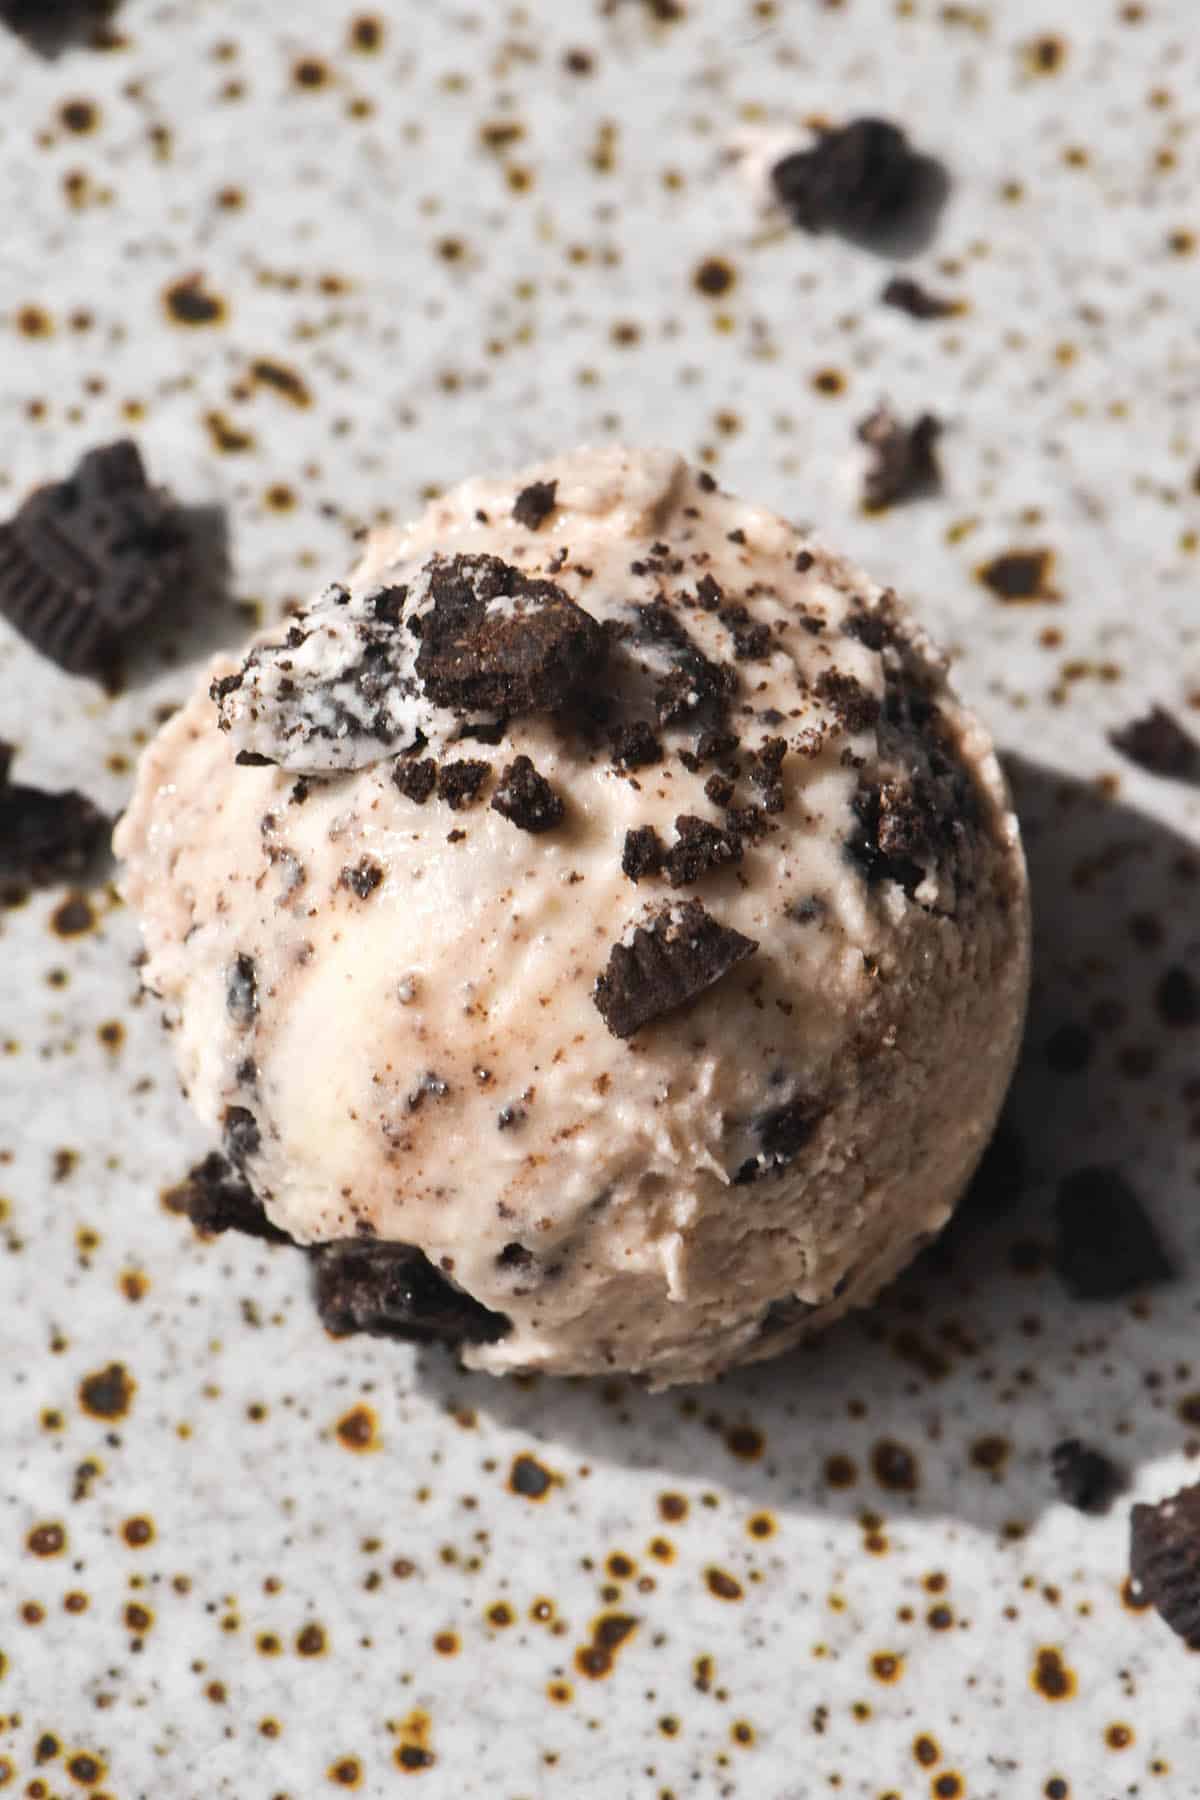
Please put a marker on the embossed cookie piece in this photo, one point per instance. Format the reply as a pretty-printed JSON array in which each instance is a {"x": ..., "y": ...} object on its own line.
[
  {"x": 665, "y": 965},
  {"x": 1164, "y": 1560}
]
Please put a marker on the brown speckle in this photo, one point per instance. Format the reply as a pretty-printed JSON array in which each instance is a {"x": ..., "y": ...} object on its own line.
[
  {"x": 1019, "y": 577},
  {"x": 358, "y": 1429},
  {"x": 46, "y": 1540},
  {"x": 722, "y": 1585},
  {"x": 1051, "y": 1678},
  {"x": 138, "y": 1532},
  {"x": 73, "y": 917},
  {"x": 108, "y": 1394},
  {"x": 714, "y": 277},
  {"x": 529, "y": 1478},
  {"x": 189, "y": 302}
]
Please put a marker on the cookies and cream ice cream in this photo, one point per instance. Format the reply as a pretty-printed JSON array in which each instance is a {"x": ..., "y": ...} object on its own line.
[{"x": 595, "y": 923}]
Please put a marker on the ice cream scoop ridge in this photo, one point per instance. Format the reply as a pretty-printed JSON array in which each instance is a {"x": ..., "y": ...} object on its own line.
[{"x": 595, "y": 927}]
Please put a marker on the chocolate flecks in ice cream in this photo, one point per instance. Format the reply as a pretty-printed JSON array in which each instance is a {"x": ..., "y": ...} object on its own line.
[
  {"x": 1164, "y": 1560},
  {"x": 713, "y": 1116},
  {"x": 393, "y": 1290},
  {"x": 534, "y": 504},
  {"x": 681, "y": 953},
  {"x": 362, "y": 878},
  {"x": 527, "y": 798}
]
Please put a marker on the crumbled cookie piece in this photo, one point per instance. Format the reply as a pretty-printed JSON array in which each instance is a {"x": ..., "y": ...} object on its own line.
[
  {"x": 216, "y": 1198},
  {"x": 782, "y": 1132},
  {"x": 1107, "y": 1245},
  {"x": 644, "y": 853},
  {"x": 46, "y": 837},
  {"x": 534, "y": 504},
  {"x": 751, "y": 637},
  {"x": 904, "y": 463},
  {"x": 1159, "y": 744},
  {"x": 700, "y": 846},
  {"x": 695, "y": 686},
  {"x": 766, "y": 773},
  {"x": 845, "y": 696},
  {"x": 1164, "y": 1560},
  {"x": 1086, "y": 1479},
  {"x": 635, "y": 746},
  {"x": 362, "y": 878},
  {"x": 857, "y": 178},
  {"x": 86, "y": 562},
  {"x": 494, "y": 640},
  {"x": 415, "y": 777},
  {"x": 393, "y": 1290},
  {"x": 908, "y": 296},
  {"x": 458, "y": 783},
  {"x": 527, "y": 798},
  {"x": 666, "y": 964}
]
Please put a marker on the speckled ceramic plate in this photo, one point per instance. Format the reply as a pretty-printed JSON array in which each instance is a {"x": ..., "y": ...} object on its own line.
[{"x": 321, "y": 263}]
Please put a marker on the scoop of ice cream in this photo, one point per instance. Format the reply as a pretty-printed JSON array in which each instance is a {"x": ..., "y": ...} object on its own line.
[{"x": 596, "y": 924}]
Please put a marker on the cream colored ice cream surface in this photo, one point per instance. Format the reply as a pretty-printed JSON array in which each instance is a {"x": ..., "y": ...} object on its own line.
[{"x": 662, "y": 1124}]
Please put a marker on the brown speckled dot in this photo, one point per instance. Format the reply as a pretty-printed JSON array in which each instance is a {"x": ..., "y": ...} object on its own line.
[
  {"x": 46, "y": 1540},
  {"x": 358, "y": 1430},
  {"x": 109, "y": 1393},
  {"x": 189, "y": 302},
  {"x": 138, "y": 1532},
  {"x": 346, "y": 1772},
  {"x": 1051, "y": 1678}
]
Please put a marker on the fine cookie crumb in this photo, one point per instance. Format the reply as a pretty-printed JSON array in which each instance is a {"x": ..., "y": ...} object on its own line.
[
  {"x": 534, "y": 504},
  {"x": 46, "y": 837},
  {"x": 644, "y": 853},
  {"x": 908, "y": 296},
  {"x": 458, "y": 783},
  {"x": 903, "y": 461},
  {"x": 415, "y": 780},
  {"x": 858, "y": 178}
]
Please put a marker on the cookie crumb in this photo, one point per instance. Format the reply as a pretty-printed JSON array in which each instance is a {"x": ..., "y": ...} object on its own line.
[
  {"x": 527, "y": 798},
  {"x": 667, "y": 964}
]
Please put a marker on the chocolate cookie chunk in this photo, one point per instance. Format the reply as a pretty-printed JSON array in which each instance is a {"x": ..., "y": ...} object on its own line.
[
  {"x": 534, "y": 504},
  {"x": 215, "y": 1198},
  {"x": 644, "y": 853},
  {"x": 496, "y": 641},
  {"x": 848, "y": 700},
  {"x": 87, "y": 561},
  {"x": 1159, "y": 743},
  {"x": 241, "y": 991},
  {"x": 635, "y": 746},
  {"x": 527, "y": 798},
  {"x": 458, "y": 783},
  {"x": 362, "y": 877},
  {"x": 665, "y": 965},
  {"x": 1085, "y": 1478},
  {"x": 695, "y": 687},
  {"x": 1107, "y": 1246},
  {"x": 393, "y": 1290},
  {"x": 904, "y": 463},
  {"x": 699, "y": 847},
  {"x": 1164, "y": 1560},
  {"x": 416, "y": 778},
  {"x": 856, "y": 178},
  {"x": 45, "y": 837}
]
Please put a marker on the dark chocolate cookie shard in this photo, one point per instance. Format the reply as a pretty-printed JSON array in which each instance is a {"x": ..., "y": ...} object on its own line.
[
  {"x": 1164, "y": 1560},
  {"x": 527, "y": 798},
  {"x": 849, "y": 701},
  {"x": 1107, "y": 1246},
  {"x": 87, "y": 561},
  {"x": 494, "y": 640},
  {"x": 534, "y": 504},
  {"x": 362, "y": 877},
  {"x": 416, "y": 777},
  {"x": 908, "y": 296},
  {"x": 241, "y": 990},
  {"x": 680, "y": 954},
  {"x": 45, "y": 837},
  {"x": 1085, "y": 1478},
  {"x": 903, "y": 457},
  {"x": 393, "y": 1290},
  {"x": 1159, "y": 743},
  {"x": 216, "y": 1198},
  {"x": 857, "y": 178}
]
